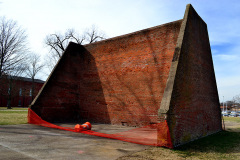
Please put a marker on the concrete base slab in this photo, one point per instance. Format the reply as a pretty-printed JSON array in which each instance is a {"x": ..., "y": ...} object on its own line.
[
  {"x": 102, "y": 128},
  {"x": 36, "y": 142}
]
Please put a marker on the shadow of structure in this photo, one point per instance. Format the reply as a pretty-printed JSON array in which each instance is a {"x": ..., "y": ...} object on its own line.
[
  {"x": 222, "y": 142},
  {"x": 133, "y": 70},
  {"x": 73, "y": 91}
]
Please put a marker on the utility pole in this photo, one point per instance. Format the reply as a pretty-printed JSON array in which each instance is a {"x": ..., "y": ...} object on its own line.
[
  {"x": 226, "y": 106},
  {"x": 223, "y": 103}
]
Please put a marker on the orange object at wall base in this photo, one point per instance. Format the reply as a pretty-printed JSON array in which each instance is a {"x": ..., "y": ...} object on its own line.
[
  {"x": 79, "y": 128},
  {"x": 153, "y": 135},
  {"x": 87, "y": 126}
]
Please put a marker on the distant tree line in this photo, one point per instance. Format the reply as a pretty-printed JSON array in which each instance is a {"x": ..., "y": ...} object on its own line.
[{"x": 234, "y": 103}]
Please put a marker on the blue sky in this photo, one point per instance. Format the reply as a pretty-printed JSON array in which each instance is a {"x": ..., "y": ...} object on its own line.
[{"x": 117, "y": 17}]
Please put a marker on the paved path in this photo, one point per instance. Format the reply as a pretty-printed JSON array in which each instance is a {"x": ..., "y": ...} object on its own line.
[{"x": 29, "y": 142}]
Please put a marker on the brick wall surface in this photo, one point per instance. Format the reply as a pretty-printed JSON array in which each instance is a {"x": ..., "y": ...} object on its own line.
[
  {"x": 17, "y": 100},
  {"x": 133, "y": 70},
  {"x": 59, "y": 98},
  {"x": 118, "y": 81},
  {"x": 194, "y": 108}
]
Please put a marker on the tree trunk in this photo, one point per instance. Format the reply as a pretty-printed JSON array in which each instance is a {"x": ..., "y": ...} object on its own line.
[
  {"x": 33, "y": 88},
  {"x": 9, "y": 95},
  {"x": 9, "y": 102}
]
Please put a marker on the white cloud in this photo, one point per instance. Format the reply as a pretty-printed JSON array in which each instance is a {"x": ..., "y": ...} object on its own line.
[
  {"x": 228, "y": 57},
  {"x": 228, "y": 87}
]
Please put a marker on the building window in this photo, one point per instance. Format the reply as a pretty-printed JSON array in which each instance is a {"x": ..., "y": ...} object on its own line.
[
  {"x": 19, "y": 102},
  {"x": 30, "y": 93},
  {"x": 9, "y": 90},
  {"x": 20, "y": 92}
]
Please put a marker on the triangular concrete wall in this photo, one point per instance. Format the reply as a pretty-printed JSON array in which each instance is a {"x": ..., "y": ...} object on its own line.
[{"x": 190, "y": 102}]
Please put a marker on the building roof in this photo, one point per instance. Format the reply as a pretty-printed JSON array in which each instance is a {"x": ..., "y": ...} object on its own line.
[{"x": 27, "y": 79}]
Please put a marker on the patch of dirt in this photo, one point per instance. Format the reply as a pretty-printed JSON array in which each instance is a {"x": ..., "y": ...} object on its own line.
[
  {"x": 153, "y": 153},
  {"x": 232, "y": 126},
  {"x": 159, "y": 153}
]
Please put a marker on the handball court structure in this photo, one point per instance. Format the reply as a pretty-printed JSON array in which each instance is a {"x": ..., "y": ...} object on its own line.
[{"x": 160, "y": 82}]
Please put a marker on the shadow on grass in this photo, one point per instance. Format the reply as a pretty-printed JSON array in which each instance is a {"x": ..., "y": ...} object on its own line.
[{"x": 222, "y": 142}]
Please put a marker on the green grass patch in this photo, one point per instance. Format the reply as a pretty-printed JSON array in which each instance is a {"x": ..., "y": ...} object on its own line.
[
  {"x": 218, "y": 146},
  {"x": 14, "y": 108},
  {"x": 222, "y": 145},
  {"x": 12, "y": 117},
  {"x": 232, "y": 119}
]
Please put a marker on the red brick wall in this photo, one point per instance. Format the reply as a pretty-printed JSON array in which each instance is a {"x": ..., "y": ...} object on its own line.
[
  {"x": 194, "y": 109},
  {"x": 16, "y": 100},
  {"x": 59, "y": 98},
  {"x": 120, "y": 80},
  {"x": 133, "y": 70}
]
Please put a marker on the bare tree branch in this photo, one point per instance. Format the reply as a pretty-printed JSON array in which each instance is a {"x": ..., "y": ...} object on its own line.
[
  {"x": 93, "y": 35},
  {"x": 236, "y": 99},
  {"x": 33, "y": 68},
  {"x": 57, "y": 42},
  {"x": 13, "y": 42}
]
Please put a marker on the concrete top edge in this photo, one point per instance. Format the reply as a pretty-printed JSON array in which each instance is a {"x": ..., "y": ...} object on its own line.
[
  {"x": 132, "y": 33},
  {"x": 189, "y": 8}
]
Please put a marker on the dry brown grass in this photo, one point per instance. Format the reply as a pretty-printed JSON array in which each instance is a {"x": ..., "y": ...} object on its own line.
[{"x": 223, "y": 145}]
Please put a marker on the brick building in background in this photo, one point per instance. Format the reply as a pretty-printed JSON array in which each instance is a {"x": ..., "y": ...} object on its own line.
[
  {"x": 164, "y": 73},
  {"x": 21, "y": 91}
]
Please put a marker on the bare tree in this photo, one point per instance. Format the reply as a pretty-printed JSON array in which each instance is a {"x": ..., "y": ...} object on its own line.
[
  {"x": 236, "y": 99},
  {"x": 13, "y": 55},
  {"x": 93, "y": 35},
  {"x": 13, "y": 42},
  {"x": 34, "y": 67},
  {"x": 58, "y": 42}
]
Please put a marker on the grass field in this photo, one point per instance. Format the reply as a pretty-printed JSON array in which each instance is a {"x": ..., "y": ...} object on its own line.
[
  {"x": 232, "y": 119},
  {"x": 13, "y": 116},
  {"x": 223, "y": 145}
]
